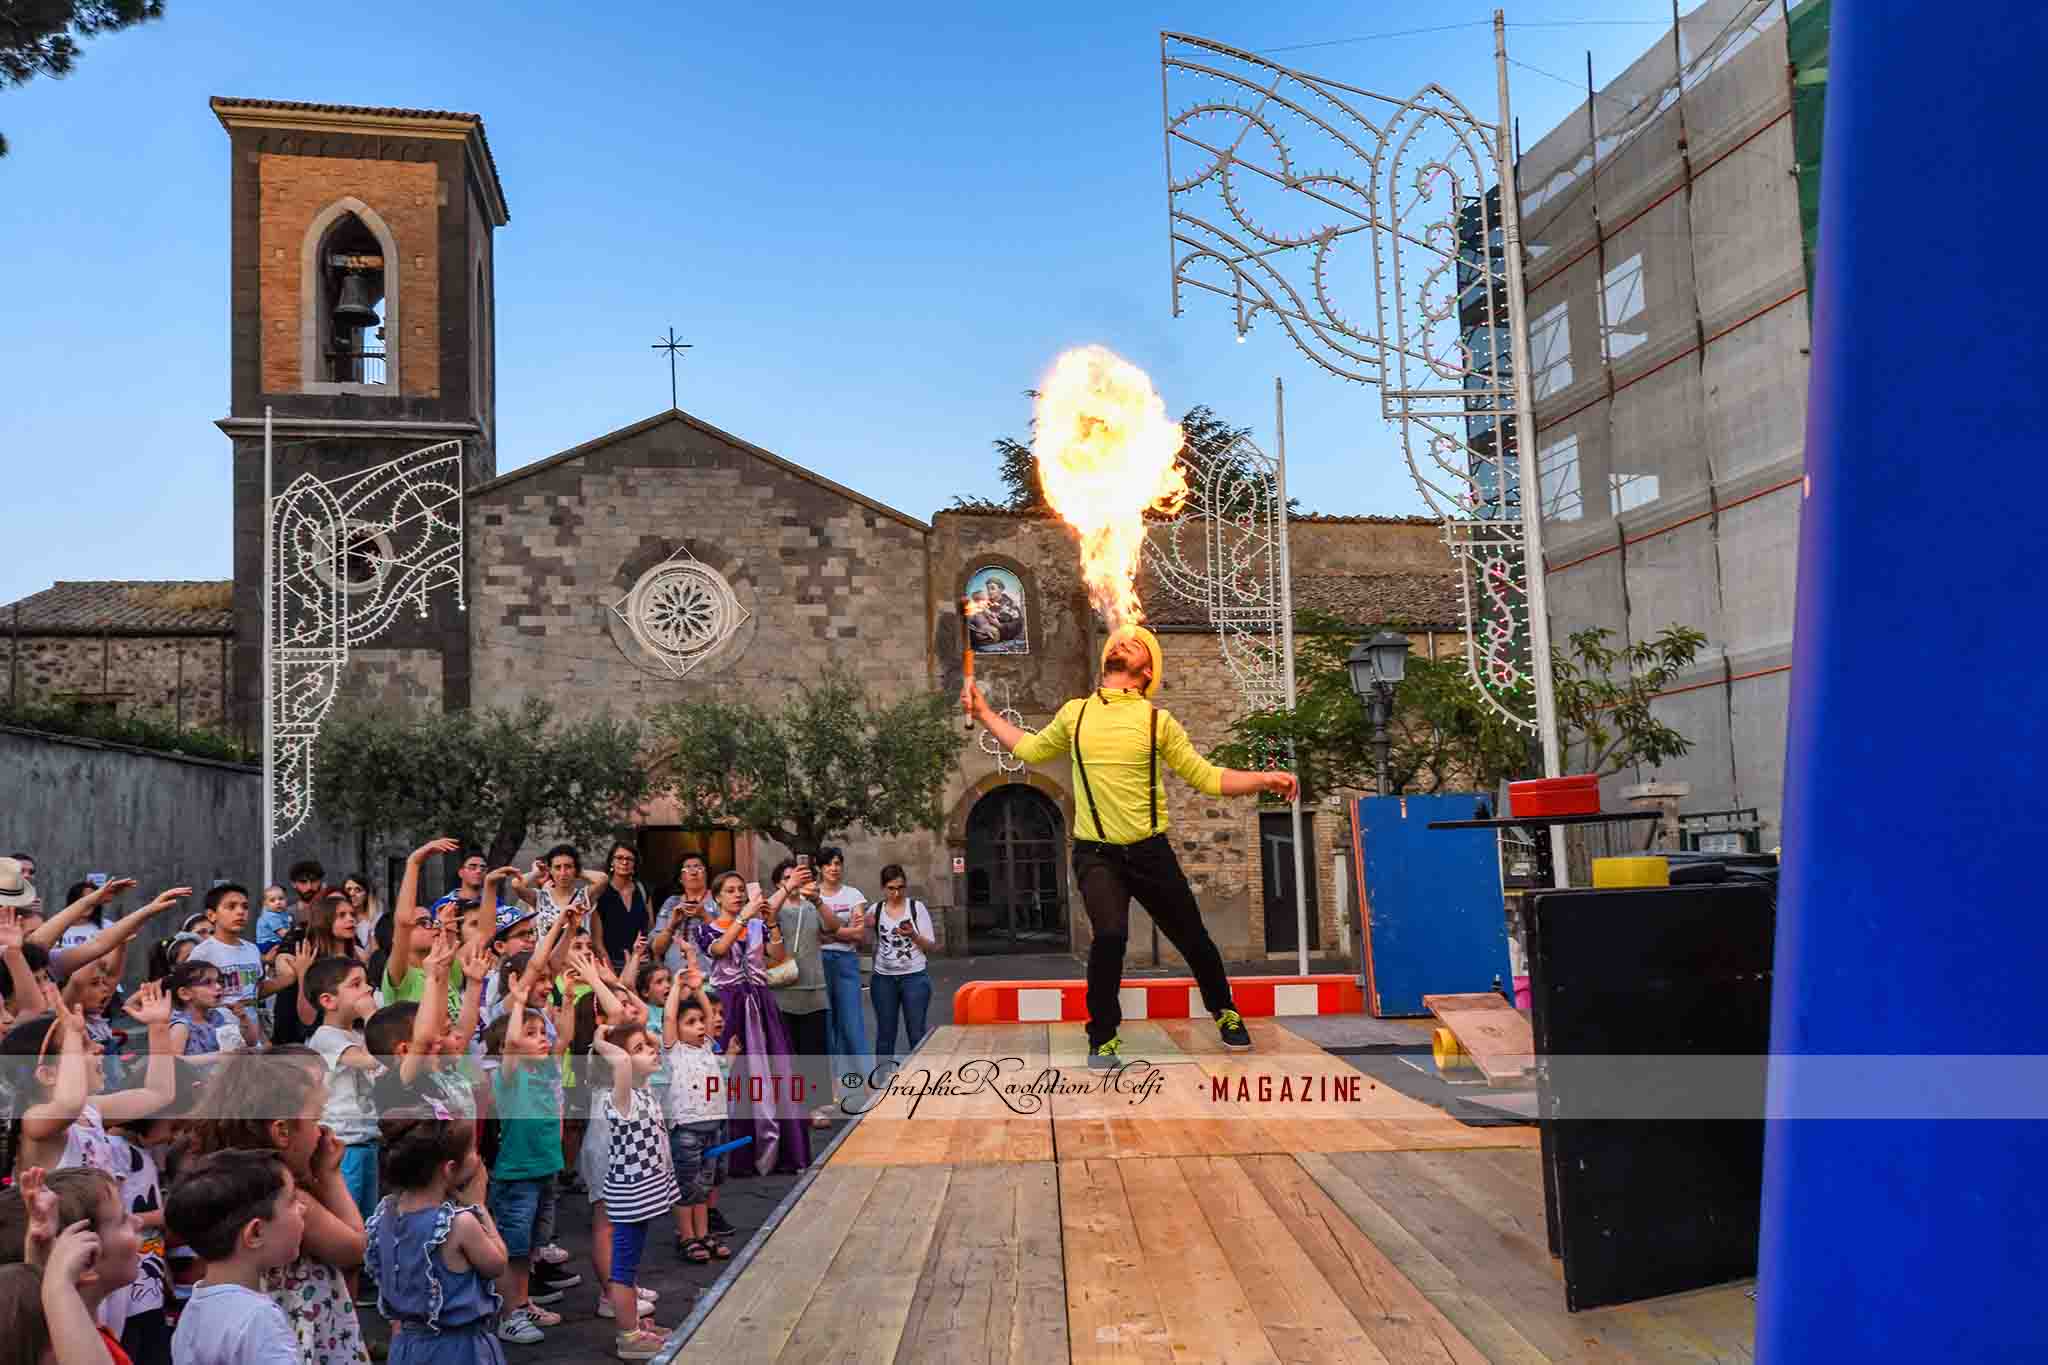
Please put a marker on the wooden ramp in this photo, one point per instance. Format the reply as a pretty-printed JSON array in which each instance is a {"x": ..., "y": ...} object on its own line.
[
  {"x": 1495, "y": 1033},
  {"x": 1272, "y": 1206}
]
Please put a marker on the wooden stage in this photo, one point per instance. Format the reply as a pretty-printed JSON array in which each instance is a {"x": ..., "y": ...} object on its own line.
[{"x": 1190, "y": 1222}]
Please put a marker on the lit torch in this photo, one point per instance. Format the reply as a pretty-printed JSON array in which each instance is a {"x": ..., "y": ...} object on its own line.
[
  {"x": 1107, "y": 454},
  {"x": 967, "y": 650}
]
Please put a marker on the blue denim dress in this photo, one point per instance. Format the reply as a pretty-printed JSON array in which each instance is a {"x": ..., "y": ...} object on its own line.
[{"x": 439, "y": 1316}]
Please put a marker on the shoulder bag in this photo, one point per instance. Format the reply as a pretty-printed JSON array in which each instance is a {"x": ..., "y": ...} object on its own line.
[{"x": 784, "y": 973}]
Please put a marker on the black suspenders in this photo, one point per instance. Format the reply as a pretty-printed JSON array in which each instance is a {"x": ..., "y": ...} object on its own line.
[{"x": 1151, "y": 774}]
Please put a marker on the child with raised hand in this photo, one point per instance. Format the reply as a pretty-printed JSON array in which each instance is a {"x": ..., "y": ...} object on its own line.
[
  {"x": 341, "y": 989},
  {"x": 64, "y": 1123},
  {"x": 241, "y": 1210},
  {"x": 529, "y": 1154},
  {"x": 200, "y": 1028},
  {"x": 98, "y": 1252},
  {"x": 433, "y": 1247},
  {"x": 425, "y": 1061},
  {"x": 696, "y": 1118},
  {"x": 639, "y": 1186},
  {"x": 275, "y": 1100}
]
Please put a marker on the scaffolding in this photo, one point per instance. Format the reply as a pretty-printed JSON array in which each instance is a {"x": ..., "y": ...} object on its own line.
[{"x": 1667, "y": 279}]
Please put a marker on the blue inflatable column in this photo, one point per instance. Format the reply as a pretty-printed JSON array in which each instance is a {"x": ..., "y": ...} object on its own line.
[{"x": 1914, "y": 910}]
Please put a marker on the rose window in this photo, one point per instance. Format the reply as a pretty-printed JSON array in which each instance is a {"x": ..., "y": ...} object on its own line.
[{"x": 681, "y": 611}]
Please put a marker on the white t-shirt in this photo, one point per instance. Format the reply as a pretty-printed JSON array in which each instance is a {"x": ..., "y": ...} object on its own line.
[
  {"x": 241, "y": 968},
  {"x": 225, "y": 1324},
  {"x": 351, "y": 1110},
  {"x": 896, "y": 953},
  {"x": 842, "y": 902},
  {"x": 696, "y": 1087}
]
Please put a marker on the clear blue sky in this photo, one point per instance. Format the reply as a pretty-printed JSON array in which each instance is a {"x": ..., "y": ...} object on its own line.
[{"x": 877, "y": 223}]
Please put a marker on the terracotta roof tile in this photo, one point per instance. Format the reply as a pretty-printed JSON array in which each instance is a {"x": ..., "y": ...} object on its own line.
[{"x": 126, "y": 608}]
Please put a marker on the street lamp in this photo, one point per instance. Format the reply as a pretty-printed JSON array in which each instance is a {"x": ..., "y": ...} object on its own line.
[{"x": 1376, "y": 666}]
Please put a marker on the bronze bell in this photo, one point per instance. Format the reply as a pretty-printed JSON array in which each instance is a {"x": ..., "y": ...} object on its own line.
[{"x": 354, "y": 309}]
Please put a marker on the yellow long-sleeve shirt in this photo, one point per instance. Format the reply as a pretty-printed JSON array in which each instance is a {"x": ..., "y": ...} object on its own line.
[{"x": 1116, "y": 747}]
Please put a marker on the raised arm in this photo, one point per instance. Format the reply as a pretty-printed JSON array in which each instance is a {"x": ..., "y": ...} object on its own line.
[
  {"x": 22, "y": 990},
  {"x": 48, "y": 1120},
  {"x": 621, "y": 1068},
  {"x": 673, "y": 1007},
  {"x": 585, "y": 966},
  {"x": 431, "y": 1018},
  {"x": 68, "y": 960},
  {"x": 151, "y": 1007},
  {"x": 52, "y": 929}
]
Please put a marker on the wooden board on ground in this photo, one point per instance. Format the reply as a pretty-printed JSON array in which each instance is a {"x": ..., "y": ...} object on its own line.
[
  {"x": 1303, "y": 1318},
  {"x": 993, "y": 1272},
  {"x": 1112, "y": 1310},
  {"x": 955, "y": 1108},
  {"x": 757, "y": 1315},
  {"x": 1403, "y": 1324},
  {"x": 1478, "y": 1251},
  {"x": 858, "y": 1311},
  {"x": 1493, "y": 1031}
]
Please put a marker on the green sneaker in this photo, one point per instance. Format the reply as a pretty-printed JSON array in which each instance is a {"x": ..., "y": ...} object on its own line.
[
  {"x": 1231, "y": 1025},
  {"x": 1106, "y": 1057}
]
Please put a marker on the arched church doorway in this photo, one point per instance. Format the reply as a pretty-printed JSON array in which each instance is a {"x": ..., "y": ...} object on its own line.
[{"x": 1016, "y": 887}]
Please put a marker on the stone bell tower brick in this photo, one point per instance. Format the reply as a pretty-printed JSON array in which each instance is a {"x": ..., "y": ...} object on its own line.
[
  {"x": 404, "y": 203},
  {"x": 406, "y": 195}
]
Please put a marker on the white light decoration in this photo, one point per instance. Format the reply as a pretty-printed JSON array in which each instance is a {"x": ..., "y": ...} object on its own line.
[
  {"x": 1253, "y": 224},
  {"x": 990, "y": 745},
  {"x": 681, "y": 611},
  {"x": 346, "y": 554},
  {"x": 1223, "y": 553}
]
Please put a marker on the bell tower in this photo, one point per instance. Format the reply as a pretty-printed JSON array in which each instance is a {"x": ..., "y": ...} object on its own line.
[{"x": 362, "y": 317}]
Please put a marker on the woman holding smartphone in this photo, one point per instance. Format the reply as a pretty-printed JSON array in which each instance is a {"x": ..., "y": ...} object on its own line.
[{"x": 741, "y": 941}]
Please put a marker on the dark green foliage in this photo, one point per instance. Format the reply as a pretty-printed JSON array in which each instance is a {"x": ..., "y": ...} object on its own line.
[
  {"x": 492, "y": 778},
  {"x": 41, "y": 37},
  {"x": 828, "y": 759}
]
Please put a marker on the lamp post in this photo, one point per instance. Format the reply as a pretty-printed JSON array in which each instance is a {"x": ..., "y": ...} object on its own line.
[{"x": 1377, "y": 666}]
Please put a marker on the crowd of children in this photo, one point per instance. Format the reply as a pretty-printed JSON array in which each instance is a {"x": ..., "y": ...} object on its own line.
[{"x": 181, "y": 1191}]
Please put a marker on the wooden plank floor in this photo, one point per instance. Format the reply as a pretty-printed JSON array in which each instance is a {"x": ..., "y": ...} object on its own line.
[{"x": 1178, "y": 1228}]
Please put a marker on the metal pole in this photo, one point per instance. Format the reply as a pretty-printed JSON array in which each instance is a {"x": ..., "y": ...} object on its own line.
[
  {"x": 269, "y": 609},
  {"x": 1287, "y": 669},
  {"x": 1525, "y": 448},
  {"x": 1382, "y": 739}
]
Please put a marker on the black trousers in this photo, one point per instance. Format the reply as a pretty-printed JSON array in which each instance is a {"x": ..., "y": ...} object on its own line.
[{"x": 1111, "y": 876}]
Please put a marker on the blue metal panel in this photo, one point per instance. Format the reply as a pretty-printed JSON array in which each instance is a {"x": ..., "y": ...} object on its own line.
[
  {"x": 1910, "y": 922},
  {"x": 1432, "y": 902}
]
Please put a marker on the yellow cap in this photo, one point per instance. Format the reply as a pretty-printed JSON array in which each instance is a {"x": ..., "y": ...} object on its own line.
[
  {"x": 1151, "y": 643},
  {"x": 1647, "y": 870}
]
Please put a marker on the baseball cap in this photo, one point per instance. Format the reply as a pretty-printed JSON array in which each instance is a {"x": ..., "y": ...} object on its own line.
[
  {"x": 15, "y": 888},
  {"x": 510, "y": 917}
]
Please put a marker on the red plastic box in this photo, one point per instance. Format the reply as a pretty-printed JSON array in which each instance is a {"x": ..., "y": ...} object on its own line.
[{"x": 1578, "y": 795}]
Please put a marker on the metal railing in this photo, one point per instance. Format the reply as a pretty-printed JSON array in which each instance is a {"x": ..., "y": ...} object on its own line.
[{"x": 355, "y": 367}]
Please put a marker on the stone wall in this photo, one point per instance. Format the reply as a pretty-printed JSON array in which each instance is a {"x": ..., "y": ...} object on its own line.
[
  {"x": 393, "y": 679},
  {"x": 823, "y": 578},
  {"x": 82, "y": 806},
  {"x": 178, "y": 679}
]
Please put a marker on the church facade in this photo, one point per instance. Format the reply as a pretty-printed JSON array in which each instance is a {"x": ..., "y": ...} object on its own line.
[{"x": 670, "y": 559}]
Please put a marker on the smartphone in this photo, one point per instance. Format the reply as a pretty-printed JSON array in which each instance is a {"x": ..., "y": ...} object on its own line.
[
  {"x": 803, "y": 860},
  {"x": 753, "y": 892}
]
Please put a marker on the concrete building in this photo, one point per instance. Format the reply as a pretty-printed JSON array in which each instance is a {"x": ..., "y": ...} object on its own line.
[{"x": 1666, "y": 268}]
